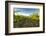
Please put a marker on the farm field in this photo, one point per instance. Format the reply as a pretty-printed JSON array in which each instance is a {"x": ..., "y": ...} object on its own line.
[{"x": 26, "y": 21}]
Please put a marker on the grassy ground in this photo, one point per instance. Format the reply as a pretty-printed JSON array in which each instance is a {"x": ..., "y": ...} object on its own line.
[{"x": 26, "y": 21}]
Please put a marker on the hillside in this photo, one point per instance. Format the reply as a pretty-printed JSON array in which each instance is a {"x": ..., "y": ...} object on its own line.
[{"x": 26, "y": 21}]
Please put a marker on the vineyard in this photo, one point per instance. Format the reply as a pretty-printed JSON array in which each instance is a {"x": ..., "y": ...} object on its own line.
[{"x": 26, "y": 21}]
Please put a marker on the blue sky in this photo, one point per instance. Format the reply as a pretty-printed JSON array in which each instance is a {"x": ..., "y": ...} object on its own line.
[{"x": 26, "y": 10}]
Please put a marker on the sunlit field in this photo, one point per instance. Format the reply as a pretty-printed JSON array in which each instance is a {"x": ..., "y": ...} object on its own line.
[{"x": 26, "y": 18}]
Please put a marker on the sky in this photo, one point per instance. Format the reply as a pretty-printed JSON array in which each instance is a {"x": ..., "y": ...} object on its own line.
[{"x": 25, "y": 11}]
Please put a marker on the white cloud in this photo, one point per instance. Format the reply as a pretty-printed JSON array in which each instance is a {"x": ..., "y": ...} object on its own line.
[
  {"x": 24, "y": 14},
  {"x": 20, "y": 13}
]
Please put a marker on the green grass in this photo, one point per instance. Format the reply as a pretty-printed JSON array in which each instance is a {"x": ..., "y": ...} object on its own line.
[{"x": 26, "y": 21}]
